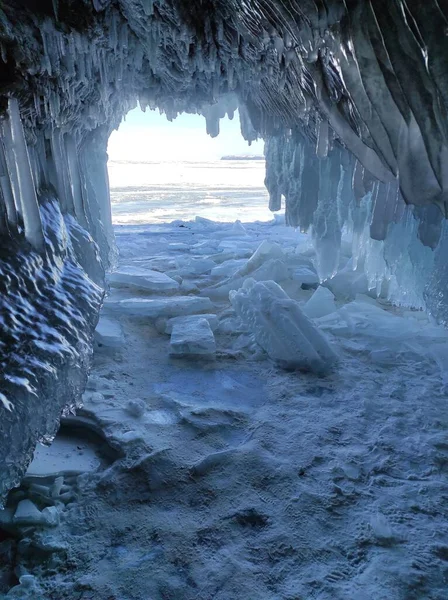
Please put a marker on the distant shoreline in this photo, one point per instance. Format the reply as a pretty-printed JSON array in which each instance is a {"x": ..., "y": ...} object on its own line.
[
  {"x": 113, "y": 161},
  {"x": 242, "y": 157}
]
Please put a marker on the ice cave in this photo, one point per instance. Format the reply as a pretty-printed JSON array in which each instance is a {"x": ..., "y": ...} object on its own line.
[{"x": 196, "y": 409}]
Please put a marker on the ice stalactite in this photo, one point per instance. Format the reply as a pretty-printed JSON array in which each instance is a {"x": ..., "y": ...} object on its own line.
[{"x": 398, "y": 248}]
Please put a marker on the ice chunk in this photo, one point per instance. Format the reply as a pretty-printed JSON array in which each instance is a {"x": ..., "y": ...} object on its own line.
[
  {"x": 265, "y": 251},
  {"x": 50, "y": 516},
  {"x": 382, "y": 330},
  {"x": 210, "y": 318},
  {"x": 271, "y": 270},
  {"x": 347, "y": 283},
  {"x": 320, "y": 304},
  {"x": 108, "y": 333},
  {"x": 238, "y": 229},
  {"x": 280, "y": 327},
  {"x": 189, "y": 287},
  {"x": 193, "y": 267},
  {"x": 160, "y": 307},
  {"x": 305, "y": 275},
  {"x": 192, "y": 338},
  {"x": 144, "y": 279},
  {"x": 227, "y": 268},
  {"x": 209, "y": 246},
  {"x": 205, "y": 223},
  {"x": 136, "y": 408},
  {"x": 179, "y": 246},
  {"x": 159, "y": 263},
  {"x": 27, "y": 513}
]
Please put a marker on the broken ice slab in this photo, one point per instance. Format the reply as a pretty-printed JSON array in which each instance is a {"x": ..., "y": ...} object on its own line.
[
  {"x": 144, "y": 279},
  {"x": 193, "y": 267},
  {"x": 376, "y": 328},
  {"x": 320, "y": 304},
  {"x": 193, "y": 338},
  {"x": 348, "y": 282},
  {"x": 305, "y": 275},
  {"x": 210, "y": 318},
  {"x": 208, "y": 246},
  {"x": 281, "y": 328},
  {"x": 66, "y": 454},
  {"x": 108, "y": 333},
  {"x": 159, "y": 263},
  {"x": 271, "y": 270},
  {"x": 188, "y": 287},
  {"x": 27, "y": 513},
  {"x": 173, "y": 306},
  {"x": 266, "y": 251},
  {"x": 227, "y": 268},
  {"x": 179, "y": 246}
]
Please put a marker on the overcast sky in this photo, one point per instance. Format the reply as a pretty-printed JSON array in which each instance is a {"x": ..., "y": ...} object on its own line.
[{"x": 150, "y": 136}]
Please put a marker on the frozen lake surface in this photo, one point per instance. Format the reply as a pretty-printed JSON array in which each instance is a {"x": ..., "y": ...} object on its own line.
[
  {"x": 222, "y": 190},
  {"x": 238, "y": 479}
]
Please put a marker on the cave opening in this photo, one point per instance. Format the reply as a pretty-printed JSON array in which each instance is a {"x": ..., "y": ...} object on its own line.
[{"x": 160, "y": 171}]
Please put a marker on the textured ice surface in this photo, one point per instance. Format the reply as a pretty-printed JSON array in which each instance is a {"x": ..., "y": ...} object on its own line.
[
  {"x": 49, "y": 308},
  {"x": 192, "y": 337},
  {"x": 281, "y": 328},
  {"x": 144, "y": 279}
]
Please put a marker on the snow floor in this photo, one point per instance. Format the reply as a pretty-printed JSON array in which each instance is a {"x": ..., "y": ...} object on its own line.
[{"x": 235, "y": 479}]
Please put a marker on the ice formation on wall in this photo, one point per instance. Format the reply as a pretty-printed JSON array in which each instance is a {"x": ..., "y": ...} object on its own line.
[{"x": 351, "y": 97}]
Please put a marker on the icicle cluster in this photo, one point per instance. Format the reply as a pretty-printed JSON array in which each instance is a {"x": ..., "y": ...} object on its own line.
[{"x": 400, "y": 248}]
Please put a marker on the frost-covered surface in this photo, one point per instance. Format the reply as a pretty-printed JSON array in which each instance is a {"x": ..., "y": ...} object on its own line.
[
  {"x": 48, "y": 308},
  {"x": 236, "y": 479}
]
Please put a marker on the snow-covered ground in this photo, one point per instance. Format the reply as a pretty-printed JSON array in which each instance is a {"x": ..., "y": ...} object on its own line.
[{"x": 230, "y": 477}]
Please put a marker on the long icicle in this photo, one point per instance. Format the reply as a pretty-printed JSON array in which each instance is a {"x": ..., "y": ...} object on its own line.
[{"x": 31, "y": 215}]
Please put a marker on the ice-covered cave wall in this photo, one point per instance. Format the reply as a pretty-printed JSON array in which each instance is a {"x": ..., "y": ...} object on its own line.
[{"x": 351, "y": 96}]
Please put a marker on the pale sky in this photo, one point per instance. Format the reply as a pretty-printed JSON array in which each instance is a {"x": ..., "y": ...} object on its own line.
[{"x": 151, "y": 137}]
